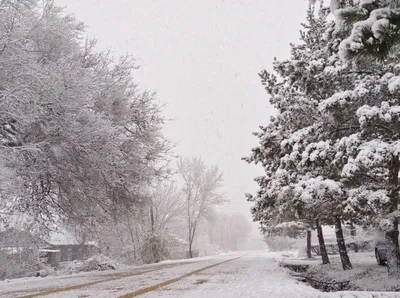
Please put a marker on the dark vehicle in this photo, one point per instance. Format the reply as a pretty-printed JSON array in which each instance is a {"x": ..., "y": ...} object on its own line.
[{"x": 381, "y": 252}]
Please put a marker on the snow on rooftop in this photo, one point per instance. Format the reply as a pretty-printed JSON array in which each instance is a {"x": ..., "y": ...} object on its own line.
[
  {"x": 49, "y": 250},
  {"x": 62, "y": 238}
]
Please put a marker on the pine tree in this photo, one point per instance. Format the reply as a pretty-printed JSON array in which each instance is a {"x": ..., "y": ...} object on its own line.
[
  {"x": 310, "y": 159},
  {"x": 295, "y": 92},
  {"x": 370, "y": 155},
  {"x": 367, "y": 147}
]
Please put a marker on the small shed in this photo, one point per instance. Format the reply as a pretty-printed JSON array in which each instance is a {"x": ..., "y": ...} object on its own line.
[
  {"x": 72, "y": 252},
  {"x": 50, "y": 256},
  {"x": 64, "y": 247}
]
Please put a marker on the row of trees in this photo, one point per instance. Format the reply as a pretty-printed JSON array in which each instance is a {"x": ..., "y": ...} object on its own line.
[
  {"x": 81, "y": 144},
  {"x": 176, "y": 213},
  {"x": 173, "y": 216},
  {"x": 331, "y": 154}
]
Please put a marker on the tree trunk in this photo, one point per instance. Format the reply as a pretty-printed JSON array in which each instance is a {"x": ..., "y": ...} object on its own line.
[
  {"x": 392, "y": 240},
  {"x": 344, "y": 257},
  {"x": 152, "y": 218},
  {"x": 132, "y": 239},
  {"x": 190, "y": 238},
  {"x": 309, "y": 244},
  {"x": 321, "y": 241},
  {"x": 190, "y": 250},
  {"x": 392, "y": 236},
  {"x": 192, "y": 235}
]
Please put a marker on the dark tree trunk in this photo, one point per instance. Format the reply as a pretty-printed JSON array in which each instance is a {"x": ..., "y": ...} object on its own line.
[
  {"x": 190, "y": 238},
  {"x": 152, "y": 218},
  {"x": 392, "y": 236},
  {"x": 192, "y": 234},
  {"x": 190, "y": 250},
  {"x": 392, "y": 240},
  {"x": 321, "y": 241},
  {"x": 132, "y": 240},
  {"x": 309, "y": 244},
  {"x": 344, "y": 257}
]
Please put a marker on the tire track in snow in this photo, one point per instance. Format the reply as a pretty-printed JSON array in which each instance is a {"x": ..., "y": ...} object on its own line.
[
  {"x": 174, "y": 280},
  {"x": 49, "y": 291}
]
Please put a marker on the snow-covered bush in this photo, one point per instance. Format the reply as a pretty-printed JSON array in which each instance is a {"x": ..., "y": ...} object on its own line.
[
  {"x": 365, "y": 239},
  {"x": 17, "y": 264},
  {"x": 70, "y": 267},
  {"x": 282, "y": 243},
  {"x": 98, "y": 263},
  {"x": 19, "y": 249},
  {"x": 156, "y": 246},
  {"x": 45, "y": 270}
]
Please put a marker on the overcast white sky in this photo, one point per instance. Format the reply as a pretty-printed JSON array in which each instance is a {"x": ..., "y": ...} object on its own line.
[{"x": 202, "y": 57}]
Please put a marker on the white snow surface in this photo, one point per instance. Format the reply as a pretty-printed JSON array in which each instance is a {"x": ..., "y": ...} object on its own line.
[{"x": 254, "y": 274}]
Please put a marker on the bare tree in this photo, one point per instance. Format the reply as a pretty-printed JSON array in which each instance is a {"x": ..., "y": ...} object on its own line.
[
  {"x": 201, "y": 189},
  {"x": 167, "y": 203},
  {"x": 229, "y": 231},
  {"x": 143, "y": 234}
]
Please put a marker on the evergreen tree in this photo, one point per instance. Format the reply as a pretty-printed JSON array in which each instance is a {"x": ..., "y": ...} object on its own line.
[
  {"x": 369, "y": 154},
  {"x": 317, "y": 161},
  {"x": 365, "y": 121},
  {"x": 369, "y": 113},
  {"x": 295, "y": 92}
]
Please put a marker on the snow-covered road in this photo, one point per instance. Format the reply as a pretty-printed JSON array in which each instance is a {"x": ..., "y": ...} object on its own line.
[
  {"x": 256, "y": 274},
  {"x": 242, "y": 275}
]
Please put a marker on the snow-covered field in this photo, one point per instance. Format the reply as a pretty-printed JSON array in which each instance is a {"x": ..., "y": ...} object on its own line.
[{"x": 241, "y": 274}]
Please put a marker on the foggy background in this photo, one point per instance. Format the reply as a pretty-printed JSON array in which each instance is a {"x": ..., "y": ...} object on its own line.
[{"x": 202, "y": 58}]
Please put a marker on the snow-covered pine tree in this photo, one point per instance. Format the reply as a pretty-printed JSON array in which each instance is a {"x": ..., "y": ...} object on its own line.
[
  {"x": 295, "y": 92},
  {"x": 370, "y": 152},
  {"x": 313, "y": 151},
  {"x": 361, "y": 154},
  {"x": 365, "y": 122}
]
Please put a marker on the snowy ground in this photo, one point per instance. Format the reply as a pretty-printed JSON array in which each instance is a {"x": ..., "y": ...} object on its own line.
[
  {"x": 365, "y": 275},
  {"x": 253, "y": 274}
]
